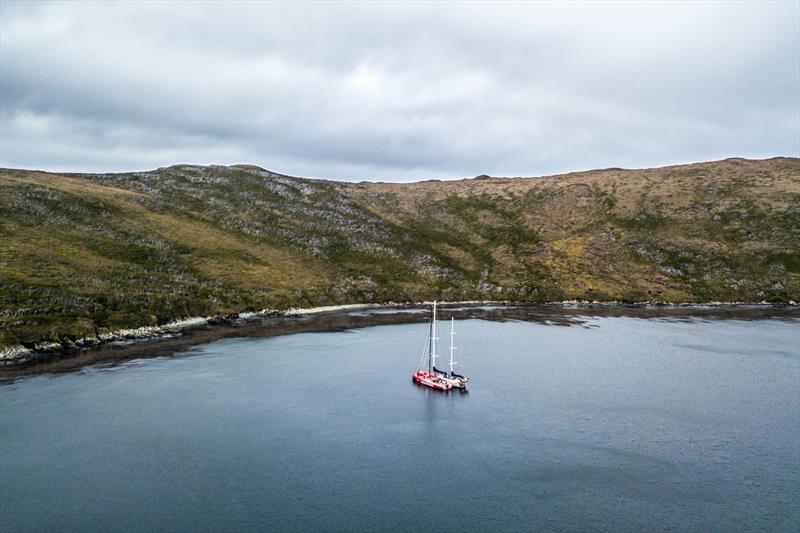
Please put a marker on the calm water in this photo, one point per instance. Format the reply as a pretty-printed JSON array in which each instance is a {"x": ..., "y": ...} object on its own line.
[{"x": 614, "y": 423}]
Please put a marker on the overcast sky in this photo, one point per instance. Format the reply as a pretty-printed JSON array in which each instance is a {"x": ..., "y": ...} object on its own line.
[{"x": 396, "y": 92}]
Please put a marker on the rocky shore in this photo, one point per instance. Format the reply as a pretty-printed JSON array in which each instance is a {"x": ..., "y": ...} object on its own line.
[
  {"x": 19, "y": 355},
  {"x": 23, "y": 356}
]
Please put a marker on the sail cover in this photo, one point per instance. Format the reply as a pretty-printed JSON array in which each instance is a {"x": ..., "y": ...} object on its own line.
[
  {"x": 439, "y": 371},
  {"x": 459, "y": 376}
]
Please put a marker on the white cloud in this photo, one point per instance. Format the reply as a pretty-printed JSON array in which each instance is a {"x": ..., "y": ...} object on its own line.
[{"x": 396, "y": 91}]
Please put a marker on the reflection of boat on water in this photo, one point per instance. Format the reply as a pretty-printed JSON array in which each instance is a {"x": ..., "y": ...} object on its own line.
[{"x": 428, "y": 374}]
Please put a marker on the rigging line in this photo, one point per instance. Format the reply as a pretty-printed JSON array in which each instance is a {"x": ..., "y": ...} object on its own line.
[{"x": 422, "y": 359}]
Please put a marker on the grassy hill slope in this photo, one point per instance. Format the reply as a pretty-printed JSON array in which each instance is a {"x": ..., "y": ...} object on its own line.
[{"x": 80, "y": 254}]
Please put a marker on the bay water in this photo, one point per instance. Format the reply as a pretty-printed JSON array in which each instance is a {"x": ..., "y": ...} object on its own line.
[{"x": 596, "y": 423}]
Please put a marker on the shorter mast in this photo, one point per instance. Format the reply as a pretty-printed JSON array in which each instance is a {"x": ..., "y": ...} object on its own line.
[{"x": 452, "y": 346}]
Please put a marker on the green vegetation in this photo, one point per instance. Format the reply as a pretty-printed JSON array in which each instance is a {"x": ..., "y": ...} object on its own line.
[{"x": 83, "y": 254}]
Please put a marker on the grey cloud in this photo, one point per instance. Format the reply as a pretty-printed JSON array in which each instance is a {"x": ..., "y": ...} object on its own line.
[{"x": 396, "y": 91}]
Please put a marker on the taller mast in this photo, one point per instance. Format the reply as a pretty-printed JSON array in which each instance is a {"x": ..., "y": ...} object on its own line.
[
  {"x": 433, "y": 340},
  {"x": 452, "y": 346}
]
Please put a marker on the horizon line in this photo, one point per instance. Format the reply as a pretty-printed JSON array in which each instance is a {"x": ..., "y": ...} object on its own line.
[{"x": 420, "y": 180}]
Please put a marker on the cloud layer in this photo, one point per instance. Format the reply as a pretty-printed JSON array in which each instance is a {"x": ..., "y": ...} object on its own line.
[{"x": 396, "y": 91}]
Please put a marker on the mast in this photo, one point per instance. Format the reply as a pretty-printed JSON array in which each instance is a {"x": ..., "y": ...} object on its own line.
[
  {"x": 432, "y": 358},
  {"x": 430, "y": 344},
  {"x": 452, "y": 346}
]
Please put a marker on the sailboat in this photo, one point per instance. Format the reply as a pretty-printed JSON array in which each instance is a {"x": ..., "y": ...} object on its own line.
[
  {"x": 427, "y": 374},
  {"x": 431, "y": 376}
]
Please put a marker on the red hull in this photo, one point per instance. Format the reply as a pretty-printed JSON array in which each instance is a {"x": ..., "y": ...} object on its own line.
[{"x": 430, "y": 380}]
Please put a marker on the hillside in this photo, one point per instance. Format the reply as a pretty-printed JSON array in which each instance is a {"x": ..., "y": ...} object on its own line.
[{"x": 82, "y": 253}]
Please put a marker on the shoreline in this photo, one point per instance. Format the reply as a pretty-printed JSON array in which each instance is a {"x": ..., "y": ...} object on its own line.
[{"x": 18, "y": 357}]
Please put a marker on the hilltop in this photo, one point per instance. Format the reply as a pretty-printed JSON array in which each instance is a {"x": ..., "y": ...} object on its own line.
[{"x": 85, "y": 253}]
